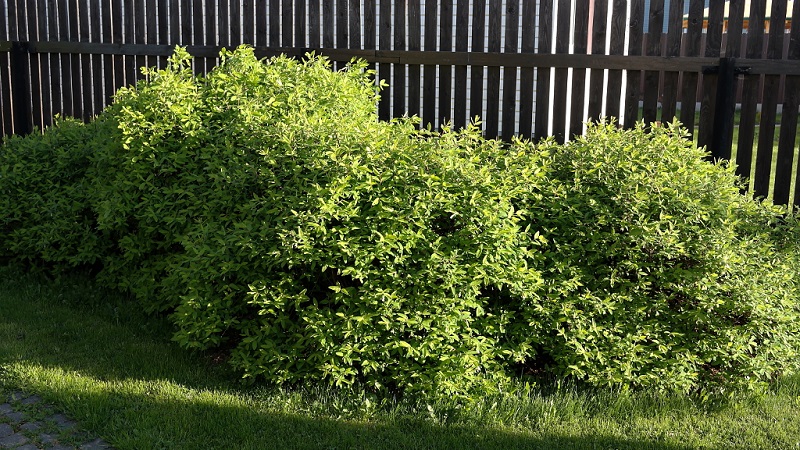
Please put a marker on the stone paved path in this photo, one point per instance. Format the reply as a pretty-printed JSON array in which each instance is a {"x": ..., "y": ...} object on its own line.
[{"x": 26, "y": 423}]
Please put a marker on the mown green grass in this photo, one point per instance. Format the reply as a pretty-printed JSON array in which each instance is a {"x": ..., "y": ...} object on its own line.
[{"x": 94, "y": 354}]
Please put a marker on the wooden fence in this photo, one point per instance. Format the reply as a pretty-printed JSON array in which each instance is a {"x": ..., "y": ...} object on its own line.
[{"x": 527, "y": 67}]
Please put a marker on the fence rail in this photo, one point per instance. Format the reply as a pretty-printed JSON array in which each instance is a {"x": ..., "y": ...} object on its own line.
[
  {"x": 529, "y": 67},
  {"x": 485, "y": 59}
]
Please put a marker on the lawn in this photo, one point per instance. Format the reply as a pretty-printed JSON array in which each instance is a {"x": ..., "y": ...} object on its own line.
[{"x": 94, "y": 354}]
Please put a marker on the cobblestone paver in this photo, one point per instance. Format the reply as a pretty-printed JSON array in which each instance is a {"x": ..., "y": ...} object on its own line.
[{"x": 27, "y": 423}]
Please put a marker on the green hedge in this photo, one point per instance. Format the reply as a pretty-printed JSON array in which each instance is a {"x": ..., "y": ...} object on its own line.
[
  {"x": 46, "y": 213},
  {"x": 658, "y": 271},
  {"x": 266, "y": 209}
]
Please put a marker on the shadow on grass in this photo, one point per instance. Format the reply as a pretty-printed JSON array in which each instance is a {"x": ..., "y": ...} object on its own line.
[
  {"x": 190, "y": 424},
  {"x": 113, "y": 369}
]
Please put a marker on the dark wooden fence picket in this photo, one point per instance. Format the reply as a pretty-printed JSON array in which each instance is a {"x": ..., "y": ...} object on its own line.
[
  {"x": 459, "y": 72},
  {"x": 596, "y": 79},
  {"x": 542, "y": 114},
  {"x": 747, "y": 122},
  {"x": 527, "y": 74},
  {"x": 787, "y": 147},
  {"x": 581, "y": 40},
  {"x": 708, "y": 101}
]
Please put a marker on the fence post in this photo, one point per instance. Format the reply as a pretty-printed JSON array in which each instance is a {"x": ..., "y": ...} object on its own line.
[
  {"x": 20, "y": 88},
  {"x": 722, "y": 132}
]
